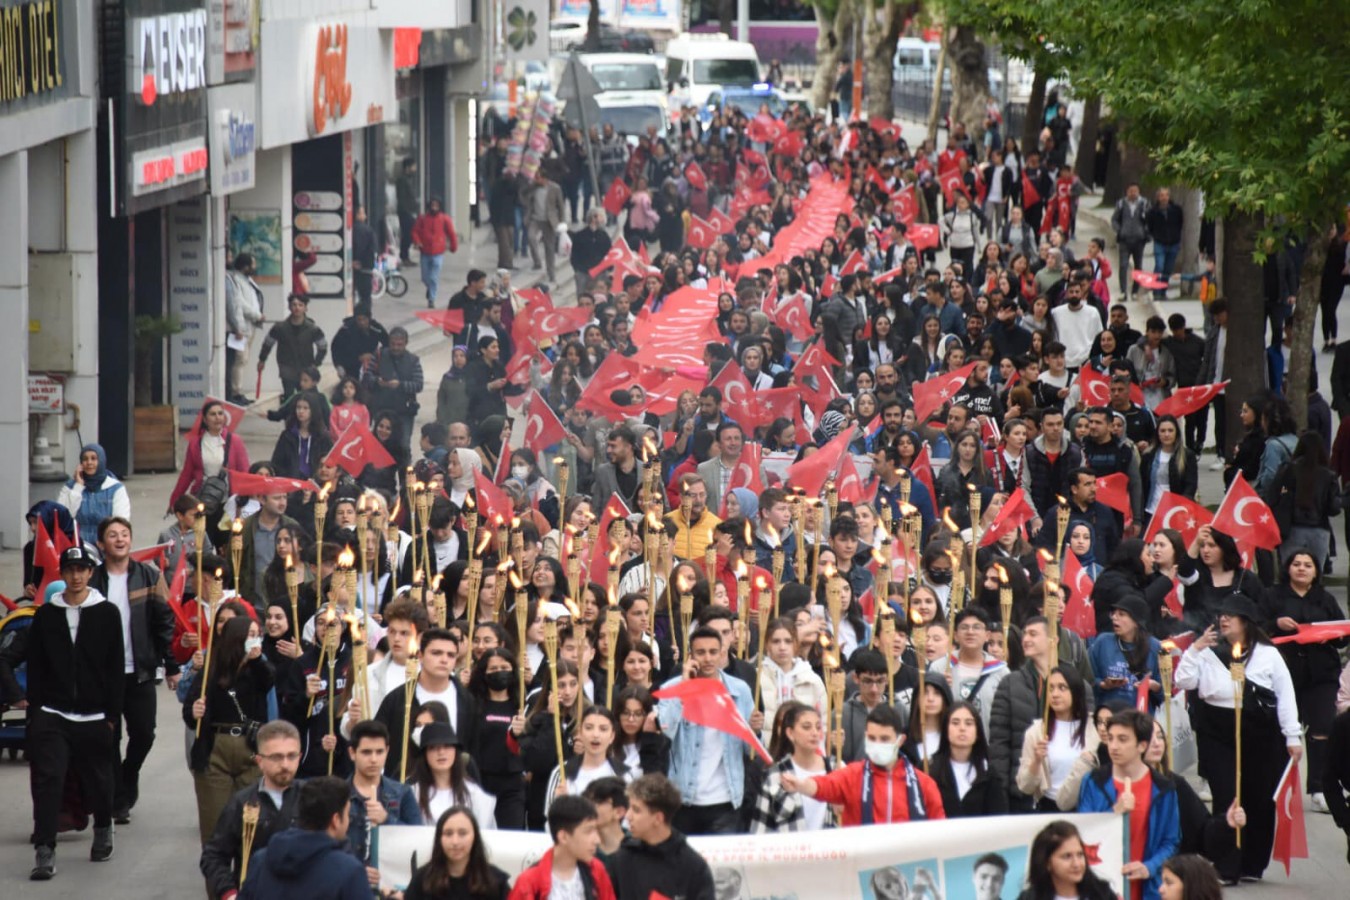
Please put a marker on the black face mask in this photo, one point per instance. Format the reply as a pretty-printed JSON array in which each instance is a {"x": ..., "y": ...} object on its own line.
[
  {"x": 498, "y": 681},
  {"x": 940, "y": 576}
]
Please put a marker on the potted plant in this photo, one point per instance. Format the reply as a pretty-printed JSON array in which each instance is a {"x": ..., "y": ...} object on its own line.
[{"x": 155, "y": 441}]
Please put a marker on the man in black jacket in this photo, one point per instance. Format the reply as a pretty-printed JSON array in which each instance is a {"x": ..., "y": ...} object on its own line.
[
  {"x": 1188, "y": 354},
  {"x": 589, "y": 246},
  {"x": 74, "y": 699},
  {"x": 357, "y": 343},
  {"x": 276, "y": 795},
  {"x": 1164, "y": 224},
  {"x": 436, "y": 681},
  {"x": 655, "y": 858},
  {"x": 138, "y": 591}
]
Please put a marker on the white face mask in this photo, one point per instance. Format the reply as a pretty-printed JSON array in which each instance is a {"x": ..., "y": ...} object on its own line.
[
  {"x": 251, "y": 644},
  {"x": 521, "y": 472},
  {"x": 882, "y": 753},
  {"x": 417, "y": 735}
]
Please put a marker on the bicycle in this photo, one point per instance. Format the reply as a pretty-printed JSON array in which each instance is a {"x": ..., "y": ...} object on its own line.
[{"x": 387, "y": 278}]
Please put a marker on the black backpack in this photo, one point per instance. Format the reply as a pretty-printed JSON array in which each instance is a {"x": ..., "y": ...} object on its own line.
[{"x": 216, "y": 489}]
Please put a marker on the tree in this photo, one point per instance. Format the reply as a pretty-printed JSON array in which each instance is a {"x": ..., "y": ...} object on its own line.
[
  {"x": 970, "y": 79},
  {"x": 834, "y": 20},
  {"x": 879, "y": 36},
  {"x": 1252, "y": 110},
  {"x": 592, "y": 42}
]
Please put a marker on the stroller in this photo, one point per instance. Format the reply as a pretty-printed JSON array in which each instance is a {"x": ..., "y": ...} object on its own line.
[{"x": 13, "y": 728}]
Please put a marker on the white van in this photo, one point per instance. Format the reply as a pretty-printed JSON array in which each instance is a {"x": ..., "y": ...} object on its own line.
[
  {"x": 915, "y": 59},
  {"x": 698, "y": 64}
]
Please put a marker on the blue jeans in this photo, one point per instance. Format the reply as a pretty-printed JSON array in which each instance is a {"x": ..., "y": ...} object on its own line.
[
  {"x": 1164, "y": 258},
  {"x": 431, "y": 274}
]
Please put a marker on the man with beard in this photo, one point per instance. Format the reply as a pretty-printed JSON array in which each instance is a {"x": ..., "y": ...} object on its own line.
[
  {"x": 978, "y": 396},
  {"x": 694, "y": 533}
]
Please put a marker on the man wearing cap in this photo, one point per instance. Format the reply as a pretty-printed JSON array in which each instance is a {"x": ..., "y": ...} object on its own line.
[
  {"x": 76, "y": 686},
  {"x": 1126, "y": 654}
]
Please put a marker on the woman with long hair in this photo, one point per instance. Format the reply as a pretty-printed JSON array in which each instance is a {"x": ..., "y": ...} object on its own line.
[
  {"x": 1171, "y": 567},
  {"x": 1218, "y": 572},
  {"x": 1127, "y": 655},
  {"x": 1190, "y": 876},
  {"x": 1169, "y": 465},
  {"x": 1271, "y": 732},
  {"x": 301, "y": 447},
  {"x": 1010, "y": 460},
  {"x": 785, "y": 676},
  {"x": 440, "y": 777},
  {"x": 882, "y": 347},
  {"x": 228, "y": 707},
  {"x": 961, "y": 767},
  {"x": 537, "y": 747},
  {"x": 641, "y": 744},
  {"x": 1245, "y": 456},
  {"x": 216, "y": 447},
  {"x": 494, "y": 684},
  {"x": 965, "y": 468},
  {"x": 795, "y": 747},
  {"x": 639, "y": 666},
  {"x": 1305, "y": 494},
  {"x": 1300, "y": 599},
  {"x": 1057, "y": 867},
  {"x": 304, "y": 698},
  {"x": 1126, "y": 574},
  {"x": 599, "y": 757},
  {"x": 923, "y": 737},
  {"x": 459, "y": 867},
  {"x": 1056, "y": 756},
  {"x": 1197, "y": 834}
]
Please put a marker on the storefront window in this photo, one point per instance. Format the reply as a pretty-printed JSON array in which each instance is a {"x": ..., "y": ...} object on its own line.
[{"x": 403, "y": 140}]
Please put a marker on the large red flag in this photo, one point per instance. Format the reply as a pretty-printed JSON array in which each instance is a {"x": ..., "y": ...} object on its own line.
[
  {"x": 616, "y": 197},
  {"x": 700, "y": 235},
  {"x": 177, "y": 584},
  {"x": 614, "y": 509},
  {"x": 745, "y": 474},
  {"x": 721, "y": 221},
  {"x": 811, "y": 472},
  {"x": 244, "y": 484},
  {"x": 1150, "y": 280},
  {"x": 1244, "y": 513},
  {"x": 706, "y": 702},
  {"x": 618, "y": 254},
  {"x": 1180, "y": 514},
  {"x": 923, "y": 471},
  {"x": 542, "y": 428},
  {"x": 1016, "y": 512},
  {"x": 1316, "y": 633},
  {"x": 951, "y": 182},
  {"x": 854, "y": 263},
  {"x": 789, "y": 144},
  {"x": 492, "y": 501},
  {"x": 1093, "y": 387},
  {"x": 541, "y": 320},
  {"x": 851, "y": 487},
  {"x": 1291, "y": 835},
  {"x": 930, "y": 395},
  {"x": 792, "y": 316},
  {"x": 1030, "y": 196},
  {"x": 356, "y": 449},
  {"x": 694, "y": 175},
  {"x": 1188, "y": 399},
  {"x": 924, "y": 236},
  {"x": 1114, "y": 491},
  {"x": 153, "y": 554},
  {"x": 450, "y": 321},
  {"x": 731, "y": 381},
  {"x": 905, "y": 206},
  {"x": 1078, "y": 614}
]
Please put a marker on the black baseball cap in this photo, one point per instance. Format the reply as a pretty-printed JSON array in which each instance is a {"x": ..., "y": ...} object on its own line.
[{"x": 78, "y": 558}]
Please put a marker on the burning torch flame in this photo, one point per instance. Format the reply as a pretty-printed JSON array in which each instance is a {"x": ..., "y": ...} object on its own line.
[
  {"x": 1045, "y": 556},
  {"x": 948, "y": 521},
  {"x": 290, "y": 564},
  {"x": 413, "y": 646},
  {"x": 346, "y": 558},
  {"x": 468, "y": 503},
  {"x": 1002, "y": 573},
  {"x": 238, "y": 526},
  {"x": 516, "y": 583},
  {"x": 686, "y": 582},
  {"x": 1237, "y": 650},
  {"x": 1060, "y": 500}
]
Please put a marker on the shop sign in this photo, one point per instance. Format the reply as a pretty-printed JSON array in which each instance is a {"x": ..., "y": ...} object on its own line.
[
  {"x": 189, "y": 267},
  {"x": 332, "y": 90},
  {"x": 233, "y": 138},
  {"x": 166, "y": 167},
  {"x": 35, "y": 40},
  {"x": 232, "y": 45},
  {"x": 170, "y": 55},
  {"x": 45, "y": 394}
]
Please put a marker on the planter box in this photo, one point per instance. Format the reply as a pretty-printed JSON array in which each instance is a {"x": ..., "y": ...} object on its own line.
[{"x": 155, "y": 439}]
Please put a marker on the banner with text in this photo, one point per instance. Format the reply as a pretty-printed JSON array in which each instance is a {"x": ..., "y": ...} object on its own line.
[{"x": 877, "y": 862}]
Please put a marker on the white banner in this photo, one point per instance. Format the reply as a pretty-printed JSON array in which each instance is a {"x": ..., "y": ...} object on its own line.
[{"x": 876, "y": 862}]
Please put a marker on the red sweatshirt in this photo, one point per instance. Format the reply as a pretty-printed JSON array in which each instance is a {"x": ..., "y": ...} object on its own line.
[
  {"x": 431, "y": 233},
  {"x": 890, "y": 801}
]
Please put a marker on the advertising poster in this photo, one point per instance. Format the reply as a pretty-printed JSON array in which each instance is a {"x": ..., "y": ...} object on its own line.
[
  {"x": 655, "y": 15},
  {"x": 257, "y": 231}
]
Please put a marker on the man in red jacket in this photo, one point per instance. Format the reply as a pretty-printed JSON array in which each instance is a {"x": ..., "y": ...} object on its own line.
[
  {"x": 432, "y": 233},
  {"x": 571, "y": 863},
  {"x": 883, "y": 787}
]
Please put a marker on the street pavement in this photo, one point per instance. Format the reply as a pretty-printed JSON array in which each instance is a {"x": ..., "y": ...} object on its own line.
[{"x": 157, "y": 853}]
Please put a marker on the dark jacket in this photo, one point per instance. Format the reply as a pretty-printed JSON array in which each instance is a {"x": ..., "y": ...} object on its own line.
[
  {"x": 589, "y": 246},
  {"x": 483, "y": 402},
  {"x": 351, "y": 343},
  {"x": 397, "y": 799},
  {"x": 1050, "y": 480},
  {"x": 298, "y": 347},
  {"x": 220, "y": 855},
  {"x": 1309, "y": 664},
  {"x": 1184, "y": 481},
  {"x": 299, "y": 863},
  {"x": 391, "y": 714},
  {"x": 248, "y": 691},
  {"x": 1282, "y": 497},
  {"x": 1017, "y": 703},
  {"x": 1188, "y": 353},
  {"x": 85, "y": 677},
  {"x": 406, "y": 369},
  {"x": 458, "y": 887},
  {"x": 671, "y": 868},
  {"x": 1336, "y": 776},
  {"x": 250, "y": 586},
  {"x": 1164, "y": 224},
  {"x": 1203, "y": 599},
  {"x": 151, "y": 619},
  {"x": 287, "y": 455},
  {"x": 988, "y": 796}
]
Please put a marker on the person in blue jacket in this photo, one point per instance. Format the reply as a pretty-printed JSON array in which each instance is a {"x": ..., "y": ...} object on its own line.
[
  {"x": 1147, "y": 798},
  {"x": 1126, "y": 656},
  {"x": 311, "y": 860}
]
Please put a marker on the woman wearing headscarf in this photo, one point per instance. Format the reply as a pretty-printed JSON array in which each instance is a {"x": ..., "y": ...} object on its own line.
[
  {"x": 94, "y": 493},
  {"x": 1081, "y": 541},
  {"x": 452, "y": 396},
  {"x": 53, "y": 517},
  {"x": 741, "y": 502},
  {"x": 389, "y": 432},
  {"x": 463, "y": 465}
]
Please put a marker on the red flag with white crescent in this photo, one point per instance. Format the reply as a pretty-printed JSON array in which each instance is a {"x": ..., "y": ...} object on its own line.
[
  {"x": 1291, "y": 835},
  {"x": 1114, "y": 491},
  {"x": 234, "y": 415},
  {"x": 793, "y": 317},
  {"x": 356, "y": 449},
  {"x": 930, "y": 395},
  {"x": 745, "y": 474},
  {"x": 700, "y": 234},
  {"x": 1180, "y": 514},
  {"x": 924, "y": 236},
  {"x": 542, "y": 428},
  {"x": 245, "y": 484},
  {"x": 1187, "y": 400},
  {"x": 616, "y": 197},
  {"x": 599, "y": 563},
  {"x": 1244, "y": 513},
  {"x": 1078, "y": 614}
]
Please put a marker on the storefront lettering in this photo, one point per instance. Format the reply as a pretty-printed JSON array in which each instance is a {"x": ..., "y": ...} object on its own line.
[
  {"x": 30, "y": 49},
  {"x": 164, "y": 167},
  {"x": 241, "y": 141},
  {"x": 332, "y": 90},
  {"x": 170, "y": 54}
]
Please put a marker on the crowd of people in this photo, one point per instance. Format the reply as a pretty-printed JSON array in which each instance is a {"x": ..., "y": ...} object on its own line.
[{"x": 360, "y": 648}]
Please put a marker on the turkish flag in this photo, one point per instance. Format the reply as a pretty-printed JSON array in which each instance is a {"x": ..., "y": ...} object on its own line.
[
  {"x": 854, "y": 263},
  {"x": 815, "y": 358},
  {"x": 693, "y": 174},
  {"x": 542, "y": 428},
  {"x": 618, "y": 254},
  {"x": 700, "y": 235},
  {"x": 789, "y": 144},
  {"x": 721, "y": 221},
  {"x": 1114, "y": 491},
  {"x": 745, "y": 474},
  {"x": 493, "y": 504},
  {"x": 1016, "y": 512},
  {"x": 850, "y": 483},
  {"x": 1291, "y": 835},
  {"x": 1093, "y": 386},
  {"x": 450, "y": 321},
  {"x": 1243, "y": 512},
  {"x": 599, "y": 562},
  {"x": 885, "y": 277},
  {"x": 884, "y": 126},
  {"x": 762, "y": 407},
  {"x": 1188, "y": 399},
  {"x": 793, "y": 317},
  {"x": 1030, "y": 196},
  {"x": 540, "y": 321},
  {"x": 706, "y": 702},
  {"x": 1078, "y": 613},
  {"x": 153, "y": 554},
  {"x": 930, "y": 395},
  {"x": 244, "y": 484},
  {"x": 949, "y": 160},
  {"x": 1316, "y": 633},
  {"x": 923, "y": 470},
  {"x": 733, "y": 384},
  {"x": 811, "y": 472},
  {"x": 765, "y": 129},
  {"x": 951, "y": 182},
  {"x": 616, "y": 197},
  {"x": 234, "y": 414},
  {"x": 1173, "y": 600},
  {"x": 924, "y": 237},
  {"x": 46, "y": 557},
  {"x": 356, "y": 449},
  {"x": 1149, "y": 280},
  {"x": 906, "y": 208},
  {"x": 518, "y": 369},
  {"x": 1180, "y": 514},
  {"x": 178, "y": 584}
]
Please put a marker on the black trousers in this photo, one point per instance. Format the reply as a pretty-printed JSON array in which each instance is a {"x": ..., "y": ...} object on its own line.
[
  {"x": 138, "y": 714},
  {"x": 56, "y": 745},
  {"x": 362, "y": 279},
  {"x": 405, "y": 227},
  {"x": 1197, "y": 426},
  {"x": 509, "y": 789},
  {"x": 720, "y": 818},
  {"x": 1220, "y": 426},
  {"x": 1263, "y": 760}
]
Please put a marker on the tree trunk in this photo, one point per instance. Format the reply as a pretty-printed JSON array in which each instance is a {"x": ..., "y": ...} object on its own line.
[
  {"x": 830, "y": 47},
  {"x": 879, "y": 39},
  {"x": 726, "y": 16},
  {"x": 1189, "y": 201},
  {"x": 1305, "y": 315},
  {"x": 1244, "y": 358},
  {"x": 1031, "y": 126},
  {"x": 592, "y": 42},
  {"x": 1086, "y": 163},
  {"x": 935, "y": 104},
  {"x": 1130, "y": 165},
  {"x": 970, "y": 80}
]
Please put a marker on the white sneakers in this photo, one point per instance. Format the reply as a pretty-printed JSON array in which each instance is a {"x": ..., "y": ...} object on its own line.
[{"x": 1318, "y": 803}]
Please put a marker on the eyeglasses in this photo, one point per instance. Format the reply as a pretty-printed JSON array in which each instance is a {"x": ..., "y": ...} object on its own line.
[
  {"x": 278, "y": 758},
  {"x": 632, "y": 714},
  {"x": 873, "y": 682}
]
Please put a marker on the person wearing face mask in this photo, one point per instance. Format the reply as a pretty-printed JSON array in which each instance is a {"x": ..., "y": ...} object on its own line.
[{"x": 884, "y": 787}]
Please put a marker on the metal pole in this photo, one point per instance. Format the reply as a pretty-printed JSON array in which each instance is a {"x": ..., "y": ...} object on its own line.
[
  {"x": 573, "y": 65},
  {"x": 742, "y": 20}
]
